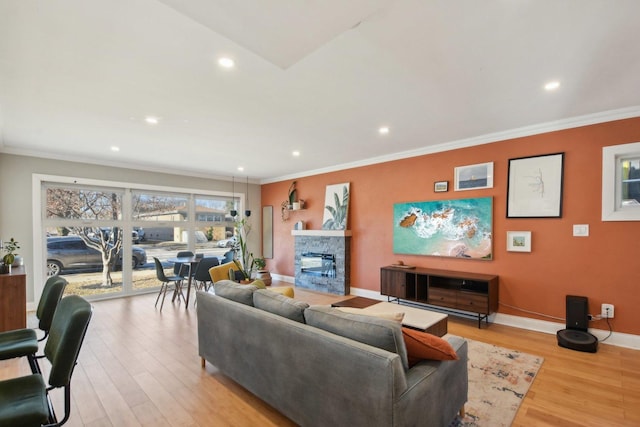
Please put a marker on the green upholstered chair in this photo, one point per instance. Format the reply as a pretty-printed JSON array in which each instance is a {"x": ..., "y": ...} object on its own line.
[
  {"x": 24, "y": 342},
  {"x": 24, "y": 400}
]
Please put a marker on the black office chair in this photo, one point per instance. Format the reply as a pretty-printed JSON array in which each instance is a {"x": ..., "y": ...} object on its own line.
[
  {"x": 202, "y": 277},
  {"x": 24, "y": 401},
  {"x": 166, "y": 280},
  {"x": 24, "y": 342}
]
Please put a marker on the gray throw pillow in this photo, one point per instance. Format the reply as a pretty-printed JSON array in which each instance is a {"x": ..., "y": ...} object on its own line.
[
  {"x": 281, "y": 305},
  {"x": 377, "y": 332},
  {"x": 234, "y": 291}
]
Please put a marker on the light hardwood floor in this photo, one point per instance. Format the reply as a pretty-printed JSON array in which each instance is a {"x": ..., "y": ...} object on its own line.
[{"x": 141, "y": 367}]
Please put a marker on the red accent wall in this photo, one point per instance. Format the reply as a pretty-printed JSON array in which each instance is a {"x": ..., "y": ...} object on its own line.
[{"x": 605, "y": 267}]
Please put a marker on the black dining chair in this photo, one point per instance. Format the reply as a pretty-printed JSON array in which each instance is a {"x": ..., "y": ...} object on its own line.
[
  {"x": 166, "y": 281},
  {"x": 180, "y": 269},
  {"x": 24, "y": 342},
  {"x": 202, "y": 277},
  {"x": 24, "y": 401},
  {"x": 228, "y": 256}
]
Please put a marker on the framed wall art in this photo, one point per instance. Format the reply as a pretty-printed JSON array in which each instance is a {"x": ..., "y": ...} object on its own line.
[
  {"x": 473, "y": 177},
  {"x": 441, "y": 186},
  {"x": 336, "y": 207},
  {"x": 519, "y": 241},
  {"x": 460, "y": 228},
  {"x": 534, "y": 189}
]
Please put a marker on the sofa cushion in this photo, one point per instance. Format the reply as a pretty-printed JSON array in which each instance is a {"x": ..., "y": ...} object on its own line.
[
  {"x": 258, "y": 284},
  {"x": 389, "y": 316},
  {"x": 234, "y": 291},
  {"x": 422, "y": 345},
  {"x": 281, "y": 305},
  {"x": 381, "y": 333}
]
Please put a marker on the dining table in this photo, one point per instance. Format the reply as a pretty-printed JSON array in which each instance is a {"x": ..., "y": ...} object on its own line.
[{"x": 192, "y": 262}]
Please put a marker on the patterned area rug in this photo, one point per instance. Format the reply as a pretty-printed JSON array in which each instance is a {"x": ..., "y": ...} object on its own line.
[{"x": 499, "y": 379}]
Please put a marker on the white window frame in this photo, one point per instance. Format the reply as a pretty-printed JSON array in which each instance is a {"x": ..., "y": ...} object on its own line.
[
  {"x": 612, "y": 157},
  {"x": 38, "y": 199}
]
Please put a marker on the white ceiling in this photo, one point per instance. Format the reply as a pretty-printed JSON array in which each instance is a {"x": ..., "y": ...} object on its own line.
[{"x": 318, "y": 76}]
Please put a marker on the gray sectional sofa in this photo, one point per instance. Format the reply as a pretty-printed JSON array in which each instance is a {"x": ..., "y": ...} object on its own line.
[{"x": 282, "y": 351}]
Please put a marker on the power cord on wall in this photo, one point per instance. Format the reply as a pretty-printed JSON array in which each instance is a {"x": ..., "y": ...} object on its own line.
[
  {"x": 533, "y": 312},
  {"x": 591, "y": 317}
]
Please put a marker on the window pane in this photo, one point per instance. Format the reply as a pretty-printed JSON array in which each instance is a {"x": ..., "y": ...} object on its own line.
[
  {"x": 77, "y": 203},
  {"x": 212, "y": 209},
  {"x": 631, "y": 182},
  {"x": 159, "y": 207},
  {"x": 87, "y": 258}
]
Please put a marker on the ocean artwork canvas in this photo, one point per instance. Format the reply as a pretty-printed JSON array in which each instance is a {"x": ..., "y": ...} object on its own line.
[{"x": 461, "y": 228}]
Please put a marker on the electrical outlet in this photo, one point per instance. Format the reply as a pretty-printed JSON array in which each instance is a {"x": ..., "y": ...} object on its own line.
[{"x": 607, "y": 311}]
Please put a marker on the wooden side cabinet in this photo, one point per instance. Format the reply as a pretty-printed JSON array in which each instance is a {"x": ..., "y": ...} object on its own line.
[
  {"x": 13, "y": 300},
  {"x": 459, "y": 291}
]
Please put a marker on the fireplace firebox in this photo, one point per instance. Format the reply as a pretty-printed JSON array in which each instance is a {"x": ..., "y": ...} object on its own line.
[
  {"x": 318, "y": 264},
  {"x": 322, "y": 260}
]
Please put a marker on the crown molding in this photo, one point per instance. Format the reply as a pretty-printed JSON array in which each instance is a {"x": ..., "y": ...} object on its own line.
[{"x": 573, "y": 122}]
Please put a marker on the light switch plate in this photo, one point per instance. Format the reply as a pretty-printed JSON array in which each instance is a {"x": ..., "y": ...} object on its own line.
[{"x": 580, "y": 230}]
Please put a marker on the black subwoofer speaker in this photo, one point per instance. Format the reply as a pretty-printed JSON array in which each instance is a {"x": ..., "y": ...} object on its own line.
[{"x": 576, "y": 337}]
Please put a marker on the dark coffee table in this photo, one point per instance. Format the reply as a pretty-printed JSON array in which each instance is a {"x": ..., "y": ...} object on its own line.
[{"x": 355, "y": 302}]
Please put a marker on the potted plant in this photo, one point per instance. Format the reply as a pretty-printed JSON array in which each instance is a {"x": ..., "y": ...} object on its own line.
[
  {"x": 261, "y": 272},
  {"x": 244, "y": 264},
  {"x": 10, "y": 256}
]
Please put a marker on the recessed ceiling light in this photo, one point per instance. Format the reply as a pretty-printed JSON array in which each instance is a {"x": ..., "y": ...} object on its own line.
[
  {"x": 151, "y": 120},
  {"x": 383, "y": 130},
  {"x": 225, "y": 62},
  {"x": 553, "y": 85},
  {"x": 114, "y": 148},
  {"x": 240, "y": 168},
  {"x": 295, "y": 153}
]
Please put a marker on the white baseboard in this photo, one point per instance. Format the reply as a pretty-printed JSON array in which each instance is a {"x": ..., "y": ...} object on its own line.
[
  {"x": 282, "y": 278},
  {"x": 617, "y": 338}
]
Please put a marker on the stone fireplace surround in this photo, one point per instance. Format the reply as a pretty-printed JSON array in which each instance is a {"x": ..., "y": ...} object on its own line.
[{"x": 336, "y": 242}]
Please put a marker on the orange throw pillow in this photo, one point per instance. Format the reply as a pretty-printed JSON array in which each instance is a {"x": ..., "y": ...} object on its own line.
[{"x": 421, "y": 345}]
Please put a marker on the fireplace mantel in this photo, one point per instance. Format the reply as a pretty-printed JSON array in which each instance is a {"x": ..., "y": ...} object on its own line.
[{"x": 327, "y": 233}]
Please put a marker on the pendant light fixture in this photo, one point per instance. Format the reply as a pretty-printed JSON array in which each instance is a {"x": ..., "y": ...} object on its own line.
[
  {"x": 233, "y": 211},
  {"x": 247, "y": 212}
]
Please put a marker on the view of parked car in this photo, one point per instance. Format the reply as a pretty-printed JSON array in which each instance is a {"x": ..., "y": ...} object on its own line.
[
  {"x": 71, "y": 252},
  {"x": 227, "y": 243}
]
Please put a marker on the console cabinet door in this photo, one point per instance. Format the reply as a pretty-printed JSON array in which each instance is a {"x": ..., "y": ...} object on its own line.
[
  {"x": 393, "y": 283},
  {"x": 443, "y": 297},
  {"x": 476, "y": 303}
]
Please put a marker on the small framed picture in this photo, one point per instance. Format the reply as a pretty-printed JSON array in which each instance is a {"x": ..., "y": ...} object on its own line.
[
  {"x": 441, "y": 186},
  {"x": 519, "y": 241},
  {"x": 474, "y": 177}
]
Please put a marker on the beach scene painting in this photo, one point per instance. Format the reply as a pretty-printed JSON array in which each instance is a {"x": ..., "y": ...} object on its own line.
[
  {"x": 473, "y": 177},
  {"x": 460, "y": 228}
]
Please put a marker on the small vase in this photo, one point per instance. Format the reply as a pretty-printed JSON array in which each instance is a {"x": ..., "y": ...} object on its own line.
[
  {"x": 265, "y": 276},
  {"x": 5, "y": 268}
]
